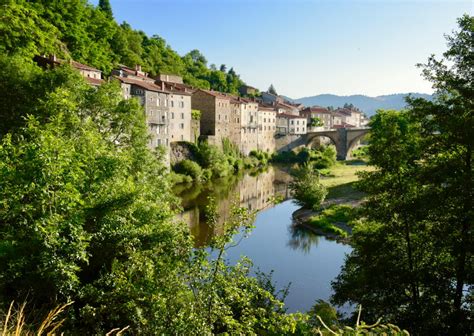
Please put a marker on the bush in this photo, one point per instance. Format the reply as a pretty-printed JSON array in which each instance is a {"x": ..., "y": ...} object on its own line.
[
  {"x": 176, "y": 178},
  {"x": 189, "y": 168},
  {"x": 307, "y": 191}
]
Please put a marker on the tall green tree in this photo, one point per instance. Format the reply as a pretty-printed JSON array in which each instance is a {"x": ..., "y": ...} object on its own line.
[
  {"x": 417, "y": 226},
  {"x": 105, "y": 7},
  {"x": 272, "y": 90},
  {"x": 448, "y": 134}
]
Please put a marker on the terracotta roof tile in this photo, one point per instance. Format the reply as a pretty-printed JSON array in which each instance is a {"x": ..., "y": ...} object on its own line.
[{"x": 143, "y": 84}]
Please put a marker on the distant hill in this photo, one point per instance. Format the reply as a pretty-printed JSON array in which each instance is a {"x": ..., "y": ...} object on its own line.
[{"x": 365, "y": 103}]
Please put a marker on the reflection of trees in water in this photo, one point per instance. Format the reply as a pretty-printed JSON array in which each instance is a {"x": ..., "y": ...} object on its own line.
[
  {"x": 254, "y": 193},
  {"x": 302, "y": 239}
]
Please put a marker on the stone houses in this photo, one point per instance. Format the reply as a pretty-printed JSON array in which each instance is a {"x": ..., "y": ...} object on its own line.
[
  {"x": 348, "y": 117},
  {"x": 291, "y": 124},
  {"x": 91, "y": 74},
  {"x": 154, "y": 99},
  {"x": 237, "y": 108},
  {"x": 286, "y": 108},
  {"x": 266, "y": 128},
  {"x": 322, "y": 113},
  {"x": 246, "y": 90},
  {"x": 167, "y": 108},
  {"x": 170, "y": 78},
  {"x": 249, "y": 131},
  {"x": 216, "y": 114}
]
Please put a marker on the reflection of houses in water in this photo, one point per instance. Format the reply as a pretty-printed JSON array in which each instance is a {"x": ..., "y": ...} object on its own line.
[{"x": 250, "y": 192}]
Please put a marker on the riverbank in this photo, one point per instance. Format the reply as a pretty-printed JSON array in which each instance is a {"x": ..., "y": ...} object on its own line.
[{"x": 339, "y": 208}]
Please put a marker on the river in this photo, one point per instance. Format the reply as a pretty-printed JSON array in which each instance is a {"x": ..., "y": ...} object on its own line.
[{"x": 307, "y": 261}]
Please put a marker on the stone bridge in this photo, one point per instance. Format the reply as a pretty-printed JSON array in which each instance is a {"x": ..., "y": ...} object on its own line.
[{"x": 344, "y": 139}]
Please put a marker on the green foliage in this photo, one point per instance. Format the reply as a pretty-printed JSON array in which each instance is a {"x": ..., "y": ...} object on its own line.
[
  {"x": 75, "y": 29},
  {"x": 105, "y": 6},
  {"x": 316, "y": 122},
  {"x": 189, "y": 168},
  {"x": 25, "y": 32},
  {"x": 322, "y": 157},
  {"x": 360, "y": 153},
  {"x": 195, "y": 114},
  {"x": 176, "y": 178},
  {"x": 272, "y": 90},
  {"x": 326, "y": 220},
  {"x": 420, "y": 205},
  {"x": 307, "y": 191},
  {"x": 87, "y": 216}
]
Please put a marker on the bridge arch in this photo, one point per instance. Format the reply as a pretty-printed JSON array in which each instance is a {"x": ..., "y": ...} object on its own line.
[
  {"x": 343, "y": 138},
  {"x": 311, "y": 142},
  {"x": 352, "y": 142}
]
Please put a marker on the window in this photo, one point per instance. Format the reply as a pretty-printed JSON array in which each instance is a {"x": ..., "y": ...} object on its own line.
[
  {"x": 292, "y": 122},
  {"x": 181, "y": 104},
  {"x": 172, "y": 103},
  {"x": 182, "y": 115},
  {"x": 219, "y": 117},
  {"x": 181, "y": 126},
  {"x": 172, "y": 115},
  {"x": 158, "y": 142},
  {"x": 182, "y": 137}
]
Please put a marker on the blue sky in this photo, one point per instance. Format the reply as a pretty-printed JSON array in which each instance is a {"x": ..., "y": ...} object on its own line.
[{"x": 306, "y": 47}]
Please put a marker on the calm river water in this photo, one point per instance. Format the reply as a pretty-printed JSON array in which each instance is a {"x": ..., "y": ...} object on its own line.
[{"x": 307, "y": 261}]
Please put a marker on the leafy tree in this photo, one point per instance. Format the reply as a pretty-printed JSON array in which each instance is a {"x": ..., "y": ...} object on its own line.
[
  {"x": 25, "y": 32},
  {"x": 105, "y": 7},
  {"x": 419, "y": 205},
  {"x": 307, "y": 191},
  {"x": 272, "y": 90},
  {"x": 316, "y": 122}
]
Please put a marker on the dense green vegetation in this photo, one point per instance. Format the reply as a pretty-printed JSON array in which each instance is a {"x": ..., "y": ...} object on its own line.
[
  {"x": 306, "y": 188},
  {"x": 321, "y": 157},
  {"x": 210, "y": 162},
  {"x": 87, "y": 214},
  {"x": 76, "y": 29},
  {"x": 418, "y": 217},
  {"x": 327, "y": 220}
]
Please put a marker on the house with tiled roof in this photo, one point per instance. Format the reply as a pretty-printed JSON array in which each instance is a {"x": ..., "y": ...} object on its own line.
[
  {"x": 167, "y": 108},
  {"x": 247, "y": 90},
  {"x": 348, "y": 116},
  {"x": 291, "y": 124},
  {"x": 216, "y": 114},
  {"x": 267, "y": 128},
  {"x": 92, "y": 75},
  {"x": 322, "y": 113}
]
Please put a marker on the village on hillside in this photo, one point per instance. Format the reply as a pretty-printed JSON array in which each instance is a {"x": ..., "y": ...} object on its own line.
[{"x": 177, "y": 112}]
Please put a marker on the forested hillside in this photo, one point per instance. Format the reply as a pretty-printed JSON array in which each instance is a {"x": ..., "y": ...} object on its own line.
[{"x": 88, "y": 34}]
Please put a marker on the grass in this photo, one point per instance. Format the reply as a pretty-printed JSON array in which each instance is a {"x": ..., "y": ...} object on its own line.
[
  {"x": 339, "y": 180},
  {"x": 326, "y": 221}
]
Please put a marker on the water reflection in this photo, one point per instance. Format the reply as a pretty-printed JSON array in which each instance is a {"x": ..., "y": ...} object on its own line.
[
  {"x": 251, "y": 191},
  {"x": 302, "y": 239}
]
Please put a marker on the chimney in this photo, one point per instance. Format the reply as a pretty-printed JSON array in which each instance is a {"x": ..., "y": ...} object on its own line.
[
  {"x": 52, "y": 57},
  {"x": 162, "y": 85},
  {"x": 138, "y": 67}
]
